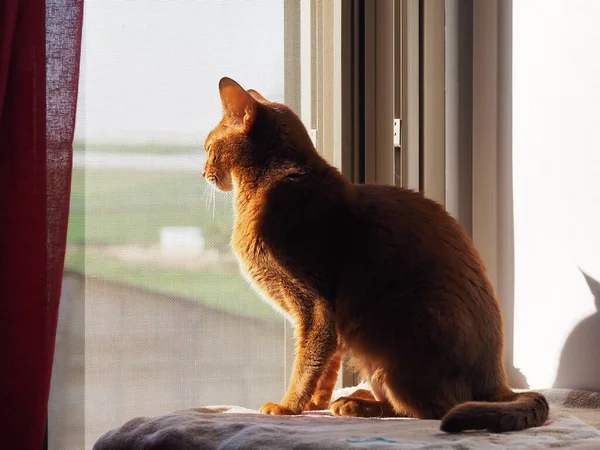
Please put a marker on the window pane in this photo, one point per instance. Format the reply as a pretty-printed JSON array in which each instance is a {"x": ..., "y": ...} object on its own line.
[{"x": 155, "y": 315}]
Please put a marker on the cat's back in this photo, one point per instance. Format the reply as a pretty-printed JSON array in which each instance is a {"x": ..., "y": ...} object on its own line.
[
  {"x": 405, "y": 215},
  {"x": 412, "y": 241}
]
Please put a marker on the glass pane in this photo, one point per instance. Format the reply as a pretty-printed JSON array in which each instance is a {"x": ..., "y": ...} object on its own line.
[{"x": 155, "y": 315}]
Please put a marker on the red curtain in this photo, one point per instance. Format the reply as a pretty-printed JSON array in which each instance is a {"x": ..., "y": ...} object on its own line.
[{"x": 39, "y": 64}]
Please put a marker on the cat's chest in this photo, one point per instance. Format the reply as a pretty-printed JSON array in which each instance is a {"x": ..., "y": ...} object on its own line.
[
  {"x": 261, "y": 270},
  {"x": 255, "y": 260}
]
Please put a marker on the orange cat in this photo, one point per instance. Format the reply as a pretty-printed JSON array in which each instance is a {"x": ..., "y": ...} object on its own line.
[{"x": 378, "y": 272}]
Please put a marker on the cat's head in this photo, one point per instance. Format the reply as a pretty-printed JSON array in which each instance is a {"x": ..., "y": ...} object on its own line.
[{"x": 252, "y": 132}]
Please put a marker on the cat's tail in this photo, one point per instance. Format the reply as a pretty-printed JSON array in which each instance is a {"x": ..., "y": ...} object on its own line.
[{"x": 511, "y": 411}]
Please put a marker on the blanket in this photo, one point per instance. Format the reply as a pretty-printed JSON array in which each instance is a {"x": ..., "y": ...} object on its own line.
[{"x": 574, "y": 423}]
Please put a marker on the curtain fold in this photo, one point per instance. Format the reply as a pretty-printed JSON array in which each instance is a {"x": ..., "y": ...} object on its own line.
[{"x": 39, "y": 64}]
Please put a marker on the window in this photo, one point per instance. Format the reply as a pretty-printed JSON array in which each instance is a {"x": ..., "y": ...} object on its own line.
[{"x": 154, "y": 313}]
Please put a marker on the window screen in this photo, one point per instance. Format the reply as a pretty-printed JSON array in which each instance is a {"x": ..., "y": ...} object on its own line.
[{"x": 154, "y": 314}]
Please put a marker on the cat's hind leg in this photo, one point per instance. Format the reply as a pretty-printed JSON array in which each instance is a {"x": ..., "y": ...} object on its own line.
[
  {"x": 364, "y": 403},
  {"x": 425, "y": 398}
]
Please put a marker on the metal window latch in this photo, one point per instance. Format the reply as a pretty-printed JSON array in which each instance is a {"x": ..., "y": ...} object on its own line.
[{"x": 397, "y": 132}]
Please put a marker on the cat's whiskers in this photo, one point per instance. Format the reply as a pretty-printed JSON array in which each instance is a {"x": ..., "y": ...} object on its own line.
[
  {"x": 206, "y": 194},
  {"x": 214, "y": 193}
]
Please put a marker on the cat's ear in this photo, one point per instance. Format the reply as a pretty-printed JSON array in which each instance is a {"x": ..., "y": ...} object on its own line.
[
  {"x": 257, "y": 96},
  {"x": 238, "y": 106}
]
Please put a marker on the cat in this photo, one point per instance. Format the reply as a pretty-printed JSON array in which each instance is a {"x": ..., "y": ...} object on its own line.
[{"x": 379, "y": 273}]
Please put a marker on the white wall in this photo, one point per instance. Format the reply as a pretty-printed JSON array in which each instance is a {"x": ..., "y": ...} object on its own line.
[{"x": 556, "y": 163}]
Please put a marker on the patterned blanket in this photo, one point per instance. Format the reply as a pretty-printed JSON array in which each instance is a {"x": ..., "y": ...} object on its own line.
[{"x": 574, "y": 423}]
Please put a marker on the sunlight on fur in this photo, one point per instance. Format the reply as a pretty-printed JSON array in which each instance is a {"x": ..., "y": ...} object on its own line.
[{"x": 379, "y": 274}]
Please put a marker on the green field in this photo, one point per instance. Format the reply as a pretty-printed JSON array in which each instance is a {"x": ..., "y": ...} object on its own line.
[{"x": 122, "y": 207}]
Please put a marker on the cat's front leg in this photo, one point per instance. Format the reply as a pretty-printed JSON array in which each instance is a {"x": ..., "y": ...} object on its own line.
[
  {"x": 317, "y": 344},
  {"x": 322, "y": 395}
]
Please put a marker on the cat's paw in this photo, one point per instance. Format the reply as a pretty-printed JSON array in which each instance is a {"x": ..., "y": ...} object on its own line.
[
  {"x": 319, "y": 401},
  {"x": 317, "y": 405},
  {"x": 276, "y": 409},
  {"x": 348, "y": 407},
  {"x": 364, "y": 407}
]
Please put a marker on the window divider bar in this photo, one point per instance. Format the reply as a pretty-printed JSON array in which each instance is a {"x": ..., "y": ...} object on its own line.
[{"x": 409, "y": 37}]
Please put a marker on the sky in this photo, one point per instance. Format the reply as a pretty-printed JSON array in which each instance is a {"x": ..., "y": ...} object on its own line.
[{"x": 150, "y": 68}]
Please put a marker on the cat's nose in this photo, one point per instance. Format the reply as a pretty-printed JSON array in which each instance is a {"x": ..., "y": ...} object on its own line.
[{"x": 204, "y": 171}]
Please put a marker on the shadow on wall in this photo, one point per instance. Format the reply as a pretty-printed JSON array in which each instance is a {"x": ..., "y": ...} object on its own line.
[{"x": 579, "y": 366}]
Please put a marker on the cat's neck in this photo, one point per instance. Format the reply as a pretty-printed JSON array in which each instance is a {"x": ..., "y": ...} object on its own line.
[
  {"x": 256, "y": 176},
  {"x": 252, "y": 184}
]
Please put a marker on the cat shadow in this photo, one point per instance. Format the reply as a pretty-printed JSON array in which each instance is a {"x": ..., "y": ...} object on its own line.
[{"x": 579, "y": 366}]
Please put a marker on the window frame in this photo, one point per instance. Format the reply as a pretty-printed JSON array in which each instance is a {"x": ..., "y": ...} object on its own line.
[{"x": 453, "y": 93}]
